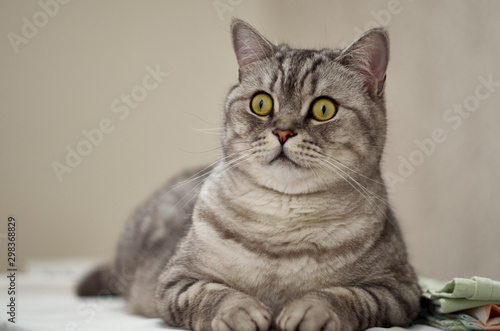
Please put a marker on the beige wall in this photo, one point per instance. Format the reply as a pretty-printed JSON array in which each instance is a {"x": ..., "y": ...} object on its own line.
[{"x": 66, "y": 76}]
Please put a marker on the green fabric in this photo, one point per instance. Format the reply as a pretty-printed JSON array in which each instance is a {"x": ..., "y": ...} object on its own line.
[
  {"x": 454, "y": 322},
  {"x": 461, "y": 293},
  {"x": 452, "y": 305}
]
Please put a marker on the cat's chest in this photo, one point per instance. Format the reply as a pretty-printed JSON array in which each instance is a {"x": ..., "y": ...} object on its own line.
[
  {"x": 276, "y": 245},
  {"x": 274, "y": 280},
  {"x": 258, "y": 269}
]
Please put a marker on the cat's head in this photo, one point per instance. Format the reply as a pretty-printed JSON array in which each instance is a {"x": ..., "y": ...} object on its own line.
[{"x": 304, "y": 120}]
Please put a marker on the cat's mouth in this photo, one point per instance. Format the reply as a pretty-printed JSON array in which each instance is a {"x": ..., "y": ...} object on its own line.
[{"x": 282, "y": 158}]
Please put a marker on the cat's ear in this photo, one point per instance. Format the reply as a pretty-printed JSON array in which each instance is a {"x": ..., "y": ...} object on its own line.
[
  {"x": 249, "y": 45},
  {"x": 369, "y": 55}
]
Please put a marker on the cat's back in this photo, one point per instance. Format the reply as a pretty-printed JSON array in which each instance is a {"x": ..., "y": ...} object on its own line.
[{"x": 154, "y": 230}]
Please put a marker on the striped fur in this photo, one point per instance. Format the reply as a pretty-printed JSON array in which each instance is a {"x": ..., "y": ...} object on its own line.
[{"x": 297, "y": 236}]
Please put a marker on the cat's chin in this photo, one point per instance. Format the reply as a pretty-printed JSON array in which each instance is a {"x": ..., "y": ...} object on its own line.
[
  {"x": 284, "y": 175},
  {"x": 283, "y": 161}
]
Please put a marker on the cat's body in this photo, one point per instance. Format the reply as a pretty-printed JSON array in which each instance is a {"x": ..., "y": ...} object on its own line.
[{"x": 292, "y": 227}]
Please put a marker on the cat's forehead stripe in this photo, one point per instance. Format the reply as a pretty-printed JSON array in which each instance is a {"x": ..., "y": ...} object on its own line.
[{"x": 296, "y": 67}]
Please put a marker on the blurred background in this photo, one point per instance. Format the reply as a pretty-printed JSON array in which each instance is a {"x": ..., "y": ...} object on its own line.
[{"x": 101, "y": 102}]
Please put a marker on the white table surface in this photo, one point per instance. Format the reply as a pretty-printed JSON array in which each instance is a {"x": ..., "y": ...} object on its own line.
[{"x": 46, "y": 302}]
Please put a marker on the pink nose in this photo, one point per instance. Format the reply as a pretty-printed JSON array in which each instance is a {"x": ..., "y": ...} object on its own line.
[{"x": 283, "y": 135}]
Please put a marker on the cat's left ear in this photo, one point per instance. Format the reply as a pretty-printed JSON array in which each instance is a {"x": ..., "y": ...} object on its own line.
[
  {"x": 369, "y": 55},
  {"x": 249, "y": 45}
]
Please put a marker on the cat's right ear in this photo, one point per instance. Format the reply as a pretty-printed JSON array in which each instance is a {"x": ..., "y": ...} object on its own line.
[{"x": 249, "y": 45}]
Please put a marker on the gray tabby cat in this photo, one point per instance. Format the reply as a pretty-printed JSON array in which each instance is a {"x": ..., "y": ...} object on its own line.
[{"x": 292, "y": 228}]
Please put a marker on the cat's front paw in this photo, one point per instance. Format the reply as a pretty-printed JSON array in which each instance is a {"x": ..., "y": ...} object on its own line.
[
  {"x": 242, "y": 315},
  {"x": 308, "y": 315}
]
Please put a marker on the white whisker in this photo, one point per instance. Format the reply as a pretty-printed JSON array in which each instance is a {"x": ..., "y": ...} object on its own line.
[
  {"x": 328, "y": 166},
  {"x": 213, "y": 149},
  {"x": 359, "y": 184},
  {"x": 200, "y": 174},
  {"x": 198, "y": 117},
  {"x": 233, "y": 163},
  {"x": 213, "y": 131},
  {"x": 367, "y": 194},
  {"x": 342, "y": 164},
  {"x": 208, "y": 151}
]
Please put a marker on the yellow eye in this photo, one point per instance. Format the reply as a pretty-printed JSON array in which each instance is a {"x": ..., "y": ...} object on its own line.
[
  {"x": 262, "y": 104},
  {"x": 323, "y": 109}
]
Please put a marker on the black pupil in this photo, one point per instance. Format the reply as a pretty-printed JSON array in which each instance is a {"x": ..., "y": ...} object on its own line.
[
  {"x": 323, "y": 109},
  {"x": 261, "y": 103}
]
